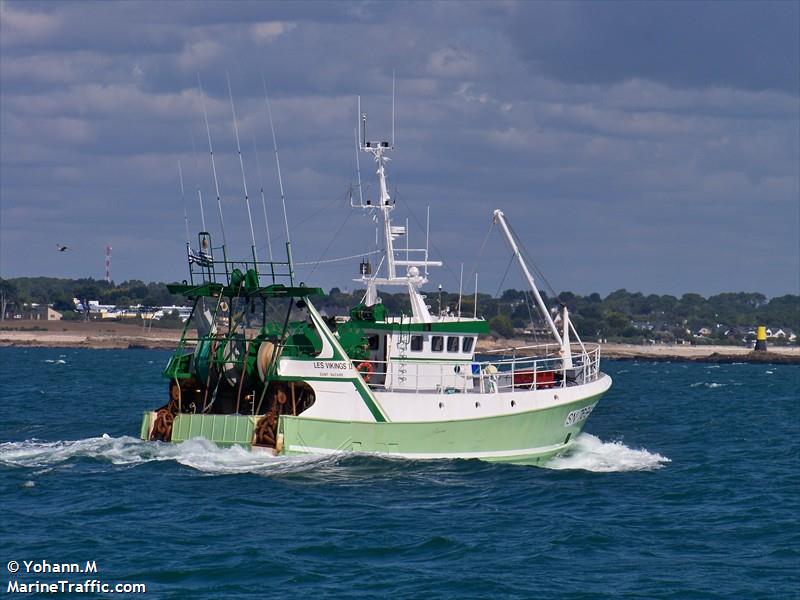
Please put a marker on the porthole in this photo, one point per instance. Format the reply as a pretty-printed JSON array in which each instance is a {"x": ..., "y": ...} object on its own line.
[
  {"x": 513, "y": 403},
  {"x": 477, "y": 405},
  {"x": 441, "y": 404}
]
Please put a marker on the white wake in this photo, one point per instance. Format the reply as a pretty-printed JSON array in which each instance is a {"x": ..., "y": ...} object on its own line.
[
  {"x": 198, "y": 454},
  {"x": 590, "y": 453}
]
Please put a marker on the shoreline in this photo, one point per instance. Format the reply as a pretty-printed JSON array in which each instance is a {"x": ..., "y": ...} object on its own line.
[
  {"x": 120, "y": 336},
  {"x": 676, "y": 353}
]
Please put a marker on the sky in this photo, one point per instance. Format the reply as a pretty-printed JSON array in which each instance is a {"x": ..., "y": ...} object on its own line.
[{"x": 651, "y": 146}]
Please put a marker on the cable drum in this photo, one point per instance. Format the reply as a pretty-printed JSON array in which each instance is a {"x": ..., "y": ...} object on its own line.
[{"x": 266, "y": 354}]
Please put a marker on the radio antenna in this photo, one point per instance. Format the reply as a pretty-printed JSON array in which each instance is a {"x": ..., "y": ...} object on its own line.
[
  {"x": 427, "y": 237},
  {"x": 393, "y": 109},
  {"x": 358, "y": 167},
  {"x": 183, "y": 199},
  {"x": 361, "y": 123},
  {"x": 475, "y": 308},
  {"x": 263, "y": 197},
  {"x": 460, "y": 289},
  {"x": 241, "y": 164},
  {"x": 277, "y": 157},
  {"x": 213, "y": 164},
  {"x": 199, "y": 193}
]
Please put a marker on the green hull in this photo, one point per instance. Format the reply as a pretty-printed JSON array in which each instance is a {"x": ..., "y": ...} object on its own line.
[{"x": 526, "y": 438}]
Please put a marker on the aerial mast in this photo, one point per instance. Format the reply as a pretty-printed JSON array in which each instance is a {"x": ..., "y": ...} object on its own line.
[
  {"x": 263, "y": 197},
  {"x": 413, "y": 278},
  {"x": 213, "y": 169},
  {"x": 244, "y": 180},
  {"x": 199, "y": 193},
  {"x": 183, "y": 198},
  {"x": 280, "y": 178}
]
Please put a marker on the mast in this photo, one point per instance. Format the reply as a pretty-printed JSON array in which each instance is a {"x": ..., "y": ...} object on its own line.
[
  {"x": 460, "y": 289},
  {"x": 475, "y": 308},
  {"x": 213, "y": 165},
  {"x": 358, "y": 170},
  {"x": 280, "y": 178},
  {"x": 241, "y": 164},
  {"x": 183, "y": 199},
  {"x": 499, "y": 217},
  {"x": 413, "y": 279},
  {"x": 263, "y": 197},
  {"x": 199, "y": 193}
]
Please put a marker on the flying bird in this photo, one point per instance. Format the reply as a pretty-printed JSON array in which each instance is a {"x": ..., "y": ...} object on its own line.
[{"x": 61, "y": 248}]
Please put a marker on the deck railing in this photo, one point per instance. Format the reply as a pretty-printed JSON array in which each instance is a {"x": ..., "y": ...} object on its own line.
[{"x": 509, "y": 370}]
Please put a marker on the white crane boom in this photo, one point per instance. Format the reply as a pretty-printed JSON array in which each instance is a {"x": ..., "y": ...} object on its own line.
[{"x": 499, "y": 217}]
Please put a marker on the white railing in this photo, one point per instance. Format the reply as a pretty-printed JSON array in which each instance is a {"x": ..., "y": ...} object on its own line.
[{"x": 508, "y": 370}]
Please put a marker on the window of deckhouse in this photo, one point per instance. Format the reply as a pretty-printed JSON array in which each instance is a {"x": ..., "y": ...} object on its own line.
[
  {"x": 416, "y": 343},
  {"x": 452, "y": 344},
  {"x": 466, "y": 345}
]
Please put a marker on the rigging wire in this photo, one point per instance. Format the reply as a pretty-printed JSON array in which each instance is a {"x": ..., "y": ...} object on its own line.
[
  {"x": 341, "y": 259},
  {"x": 301, "y": 222},
  {"x": 526, "y": 255},
  {"x": 480, "y": 252},
  {"x": 432, "y": 243},
  {"x": 333, "y": 239},
  {"x": 505, "y": 273},
  {"x": 528, "y": 303}
]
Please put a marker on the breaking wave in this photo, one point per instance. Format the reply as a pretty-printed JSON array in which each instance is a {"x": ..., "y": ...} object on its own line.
[
  {"x": 198, "y": 454},
  {"x": 590, "y": 453}
]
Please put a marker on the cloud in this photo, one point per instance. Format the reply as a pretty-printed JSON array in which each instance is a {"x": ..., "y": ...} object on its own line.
[
  {"x": 268, "y": 31},
  {"x": 749, "y": 45},
  {"x": 648, "y": 140},
  {"x": 452, "y": 61},
  {"x": 25, "y": 27},
  {"x": 53, "y": 68},
  {"x": 198, "y": 54}
]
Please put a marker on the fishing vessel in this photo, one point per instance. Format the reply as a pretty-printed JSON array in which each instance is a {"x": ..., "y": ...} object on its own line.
[{"x": 259, "y": 366}]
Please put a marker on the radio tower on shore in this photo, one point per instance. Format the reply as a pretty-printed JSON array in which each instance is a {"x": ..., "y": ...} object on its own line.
[{"x": 108, "y": 263}]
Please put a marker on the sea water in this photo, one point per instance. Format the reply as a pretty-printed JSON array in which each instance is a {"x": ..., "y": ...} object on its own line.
[{"x": 685, "y": 484}]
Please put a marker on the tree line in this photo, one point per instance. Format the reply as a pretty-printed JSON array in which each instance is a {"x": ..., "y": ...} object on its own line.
[{"x": 621, "y": 315}]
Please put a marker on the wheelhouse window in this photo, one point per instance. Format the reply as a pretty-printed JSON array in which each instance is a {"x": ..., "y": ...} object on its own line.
[
  {"x": 373, "y": 342},
  {"x": 466, "y": 345},
  {"x": 452, "y": 344},
  {"x": 437, "y": 343},
  {"x": 416, "y": 343}
]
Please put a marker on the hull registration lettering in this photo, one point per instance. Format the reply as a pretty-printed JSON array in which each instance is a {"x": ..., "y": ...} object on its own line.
[{"x": 578, "y": 415}]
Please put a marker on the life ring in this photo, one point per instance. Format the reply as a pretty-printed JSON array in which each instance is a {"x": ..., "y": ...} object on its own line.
[{"x": 365, "y": 369}]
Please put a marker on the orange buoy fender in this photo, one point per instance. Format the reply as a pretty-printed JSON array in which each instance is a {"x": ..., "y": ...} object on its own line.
[{"x": 365, "y": 369}]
